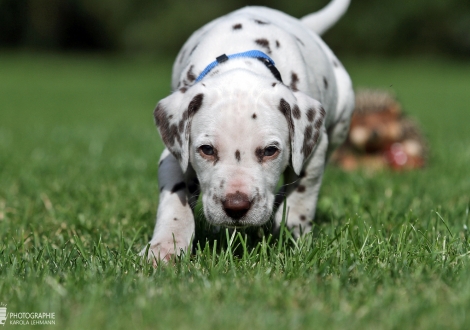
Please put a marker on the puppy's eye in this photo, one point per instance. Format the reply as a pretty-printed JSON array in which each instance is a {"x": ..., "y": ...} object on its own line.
[
  {"x": 270, "y": 151},
  {"x": 207, "y": 150}
]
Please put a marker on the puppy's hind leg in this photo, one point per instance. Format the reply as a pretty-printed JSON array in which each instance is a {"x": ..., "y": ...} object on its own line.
[{"x": 175, "y": 226}]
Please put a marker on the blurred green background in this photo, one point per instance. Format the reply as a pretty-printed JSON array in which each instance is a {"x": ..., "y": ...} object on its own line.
[{"x": 376, "y": 27}]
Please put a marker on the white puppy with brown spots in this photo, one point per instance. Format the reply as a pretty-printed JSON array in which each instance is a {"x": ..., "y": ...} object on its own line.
[{"x": 256, "y": 94}]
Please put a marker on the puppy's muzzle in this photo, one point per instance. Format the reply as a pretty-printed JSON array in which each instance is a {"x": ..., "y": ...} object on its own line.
[{"x": 236, "y": 205}]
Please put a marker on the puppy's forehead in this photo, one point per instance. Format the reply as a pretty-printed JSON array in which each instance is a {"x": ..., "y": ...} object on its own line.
[
  {"x": 242, "y": 90},
  {"x": 240, "y": 112}
]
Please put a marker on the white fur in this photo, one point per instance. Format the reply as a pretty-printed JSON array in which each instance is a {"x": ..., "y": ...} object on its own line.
[
  {"x": 241, "y": 110},
  {"x": 324, "y": 19}
]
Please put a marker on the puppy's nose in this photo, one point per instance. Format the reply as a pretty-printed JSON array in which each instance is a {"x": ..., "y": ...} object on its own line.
[{"x": 236, "y": 205}]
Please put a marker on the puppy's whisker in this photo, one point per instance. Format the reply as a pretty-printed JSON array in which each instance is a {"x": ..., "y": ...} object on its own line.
[{"x": 292, "y": 183}]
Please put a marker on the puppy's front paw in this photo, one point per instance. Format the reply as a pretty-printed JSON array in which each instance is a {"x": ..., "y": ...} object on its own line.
[
  {"x": 164, "y": 250},
  {"x": 297, "y": 224}
]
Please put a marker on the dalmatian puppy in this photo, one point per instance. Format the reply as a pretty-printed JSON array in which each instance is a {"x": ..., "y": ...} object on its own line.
[{"x": 256, "y": 94}]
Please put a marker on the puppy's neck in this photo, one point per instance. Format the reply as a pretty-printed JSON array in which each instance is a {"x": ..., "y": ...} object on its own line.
[{"x": 252, "y": 65}]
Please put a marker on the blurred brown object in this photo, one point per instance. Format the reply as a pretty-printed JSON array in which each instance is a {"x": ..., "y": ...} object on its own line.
[{"x": 381, "y": 136}]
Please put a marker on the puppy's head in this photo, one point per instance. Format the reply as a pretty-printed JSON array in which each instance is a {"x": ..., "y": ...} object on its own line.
[{"x": 239, "y": 132}]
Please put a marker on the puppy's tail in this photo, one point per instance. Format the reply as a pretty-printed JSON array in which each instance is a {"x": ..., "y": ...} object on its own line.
[{"x": 325, "y": 18}]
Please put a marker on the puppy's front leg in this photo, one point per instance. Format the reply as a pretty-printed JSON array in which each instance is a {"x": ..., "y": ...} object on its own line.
[
  {"x": 175, "y": 220},
  {"x": 302, "y": 192}
]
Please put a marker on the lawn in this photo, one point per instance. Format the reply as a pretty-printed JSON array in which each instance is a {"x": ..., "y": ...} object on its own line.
[{"x": 78, "y": 196}]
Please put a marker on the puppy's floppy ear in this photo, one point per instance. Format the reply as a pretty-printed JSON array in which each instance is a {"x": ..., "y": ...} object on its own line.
[
  {"x": 305, "y": 117},
  {"x": 173, "y": 117}
]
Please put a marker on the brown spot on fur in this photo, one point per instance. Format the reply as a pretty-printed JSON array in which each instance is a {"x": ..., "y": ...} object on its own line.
[
  {"x": 284, "y": 107},
  {"x": 294, "y": 79},
  {"x": 259, "y": 152},
  {"x": 237, "y": 155},
  {"x": 216, "y": 157},
  {"x": 192, "y": 50},
  {"x": 273, "y": 84},
  {"x": 325, "y": 82},
  {"x": 308, "y": 144},
  {"x": 254, "y": 116},
  {"x": 308, "y": 133},
  {"x": 183, "y": 89},
  {"x": 168, "y": 131},
  {"x": 175, "y": 135},
  {"x": 260, "y": 22},
  {"x": 300, "y": 41},
  {"x": 195, "y": 104},
  {"x": 322, "y": 112},
  {"x": 185, "y": 114},
  {"x": 296, "y": 111},
  {"x": 303, "y": 218},
  {"x": 222, "y": 184},
  {"x": 237, "y": 26},
  {"x": 302, "y": 174},
  {"x": 181, "y": 126},
  {"x": 264, "y": 43},
  {"x": 190, "y": 74},
  {"x": 159, "y": 115},
  {"x": 163, "y": 124},
  {"x": 278, "y": 44},
  {"x": 301, "y": 189},
  {"x": 318, "y": 124},
  {"x": 311, "y": 114},
  {"x": 316, "y": 136}
]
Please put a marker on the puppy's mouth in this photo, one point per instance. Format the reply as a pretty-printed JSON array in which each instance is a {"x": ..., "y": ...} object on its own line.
[
  {"x": 236, "y": 224},
  {"x": 258, "y": 215},
  {"x": 225, "y": 221},
  {"x": 243, "y": 223},
  {"x": 237, "y": 219}
]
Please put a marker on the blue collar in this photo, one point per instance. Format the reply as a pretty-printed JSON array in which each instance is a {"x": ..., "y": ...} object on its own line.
[{"x": 251, "y": 53}]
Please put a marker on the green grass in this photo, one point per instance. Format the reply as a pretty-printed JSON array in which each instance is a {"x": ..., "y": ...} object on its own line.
[{"x": 78, "y": 194}]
